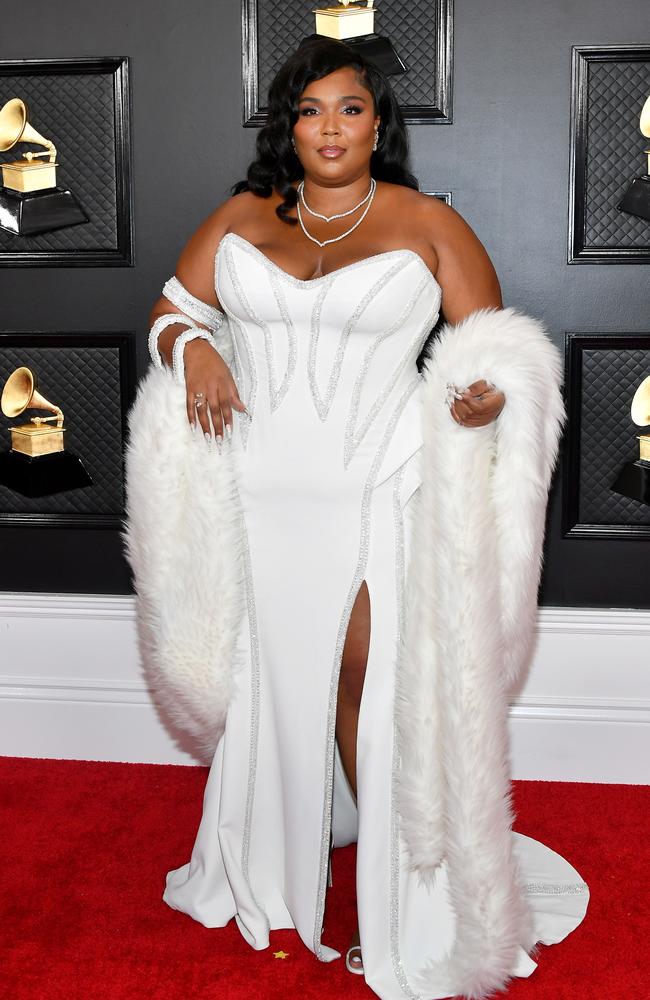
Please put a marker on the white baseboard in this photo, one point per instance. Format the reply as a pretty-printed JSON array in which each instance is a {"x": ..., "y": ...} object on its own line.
[{"x": 71, "y": 687}]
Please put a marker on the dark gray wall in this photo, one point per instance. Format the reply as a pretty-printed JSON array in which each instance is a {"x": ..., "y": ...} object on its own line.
[{"x": 505, "y": 159}]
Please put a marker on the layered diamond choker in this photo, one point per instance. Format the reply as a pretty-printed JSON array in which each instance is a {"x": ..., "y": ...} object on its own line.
[{"x": 340, "y": 215}]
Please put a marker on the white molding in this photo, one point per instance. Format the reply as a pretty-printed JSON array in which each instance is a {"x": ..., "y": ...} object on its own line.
[
  {"x": 43, "y": 605},
  {"x": 582, "y": 715},
  {"x": 589, "y": 709},
  {"x": 594, "y": 621}
]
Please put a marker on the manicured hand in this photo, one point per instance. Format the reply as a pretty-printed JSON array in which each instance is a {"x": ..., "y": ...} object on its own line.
[
  {"x": 479, "y": 404},
  {"x": 206, "y": 372}
]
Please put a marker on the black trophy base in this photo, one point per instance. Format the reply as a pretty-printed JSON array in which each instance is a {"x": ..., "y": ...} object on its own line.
[
  {"x": 633, "y": 481},
  {"x": 377, "y": 49},
  {"x": 636, "y": 200},
  {"x": 33, "y": 212},
  {"x": 43, "y": 475}
]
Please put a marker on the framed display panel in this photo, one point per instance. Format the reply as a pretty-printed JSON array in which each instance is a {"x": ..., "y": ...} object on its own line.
[
  {"x": 422, "y": 35},
  {"x": 609, "y": 87},
  {"x": 441, "y": 195},
  {"x": 603, "y": 371},
  {"x": 82, "y": 105},
  {"x": 92, "y": 378}
]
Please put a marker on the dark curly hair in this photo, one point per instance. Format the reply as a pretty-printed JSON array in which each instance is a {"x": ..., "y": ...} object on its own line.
[{"x": 276, "y": 164}]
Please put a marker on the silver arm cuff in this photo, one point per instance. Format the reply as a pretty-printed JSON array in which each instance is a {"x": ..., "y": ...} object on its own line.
[
  {"x": 199, "y": 311},
  {"x": 193, "y": 331},
  {"x": 202, "y": 312},
  {"x": 159, "y": 325},
  {"x": 178, "y": 350}
]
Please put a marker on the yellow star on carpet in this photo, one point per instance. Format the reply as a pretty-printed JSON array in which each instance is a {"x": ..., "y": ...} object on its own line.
[{"x": 280, "y": 954}]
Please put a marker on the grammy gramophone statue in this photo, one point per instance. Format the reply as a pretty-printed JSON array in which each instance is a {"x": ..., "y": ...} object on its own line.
[
  {"x": 352, "y": 21},
  {"x": 30, "y": 200},
  {"x": 636, "y": 199},
  {"x": 38, "y": 463},
  {"x": 634, "y": 478}
]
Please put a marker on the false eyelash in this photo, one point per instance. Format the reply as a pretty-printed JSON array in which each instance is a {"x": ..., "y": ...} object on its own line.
[{"x": 305, "y": 112}]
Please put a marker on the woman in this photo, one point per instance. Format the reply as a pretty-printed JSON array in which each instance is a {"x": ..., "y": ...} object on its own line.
[{"x": 331, "y": 269}]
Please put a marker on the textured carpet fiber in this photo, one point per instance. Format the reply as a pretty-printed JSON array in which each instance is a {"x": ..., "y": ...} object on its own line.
[{"x": 85, "y": 849}]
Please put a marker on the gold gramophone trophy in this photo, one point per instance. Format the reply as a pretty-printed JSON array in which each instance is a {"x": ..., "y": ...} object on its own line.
[
  {"x": 634, "y": 478},
  {"x": 636, "y": 199},
  {"x": 352, "y": 21},
  {"x": 38, "y": 463},
  {"x": 30, "y": 201}
]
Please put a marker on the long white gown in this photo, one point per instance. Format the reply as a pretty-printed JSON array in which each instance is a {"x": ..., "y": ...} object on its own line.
[{"x": 327, "y": 466}]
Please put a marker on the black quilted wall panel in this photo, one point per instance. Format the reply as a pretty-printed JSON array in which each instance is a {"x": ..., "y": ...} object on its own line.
[
  {"x": 422, "y": 38},
  {"x": 87, "y": 381},
  {"x": 608, "y": 434},
  {"x": 609, "y": 92},
  {"x": 615, "y": 147},
  {"x": 77, "y": 111}
]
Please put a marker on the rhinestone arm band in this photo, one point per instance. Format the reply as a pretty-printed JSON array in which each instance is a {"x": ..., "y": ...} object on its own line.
[
  {"x": 160, "y": 324},
  {"x": 197, "y": 310},
  {"x": 194, "y": 311},
  {"x": 192, "y": 332},
  {"x": 178, "y": 361}
]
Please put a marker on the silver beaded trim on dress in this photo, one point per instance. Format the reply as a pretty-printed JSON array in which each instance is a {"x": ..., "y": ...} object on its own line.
[
  {"x": 340, "y": 641},
  {"x": 400, "y": 582},
  {"x": 555, "y": 888},
  {"x": 250, "y": 403},
  {"x": 323, "y": 404},
  {"x": 303, "y": 283},
  {"x": 354, "y": 437},
  {"x": 276, "y": 393},
  {"x": 291, "y": 339},
  {"x": 255, "y": 710}
]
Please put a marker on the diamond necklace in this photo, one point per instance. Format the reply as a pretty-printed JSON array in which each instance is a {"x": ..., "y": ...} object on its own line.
[
  {"x": 340, "y": 215},
  {"x": 335, "y": 239}
]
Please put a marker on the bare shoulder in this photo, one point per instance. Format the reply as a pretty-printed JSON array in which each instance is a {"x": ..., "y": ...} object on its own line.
[
  {"x": 464, "y": 270},
  {"x": 433, "y": 217}
]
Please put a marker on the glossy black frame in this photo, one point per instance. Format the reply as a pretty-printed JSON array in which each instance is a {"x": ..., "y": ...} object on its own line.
[
  {"x": 441, "y": 195},
  {"x": 118, "y": 68},
  {"x": 578, "y": 253},
  {"x": 125, "y": 341},
  {"x": 575, "y": 344},
  {"x": 437, "y": 113}
]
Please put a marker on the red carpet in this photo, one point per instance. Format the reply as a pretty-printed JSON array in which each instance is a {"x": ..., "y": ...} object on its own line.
[{"x": 86, "y": 847}]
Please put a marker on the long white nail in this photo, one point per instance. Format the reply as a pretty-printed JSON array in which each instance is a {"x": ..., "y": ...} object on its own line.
[
  {"x": 229, "y": 430},
  {"x": 219, "y": 441},
  {"x": 208, "y": 437}
]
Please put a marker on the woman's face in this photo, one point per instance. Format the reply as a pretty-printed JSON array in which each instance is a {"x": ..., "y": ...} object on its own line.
[{"x": 335, "y": 129}]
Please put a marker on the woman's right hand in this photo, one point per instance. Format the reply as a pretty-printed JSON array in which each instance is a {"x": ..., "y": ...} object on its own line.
[{"x": 207, "y": 372}]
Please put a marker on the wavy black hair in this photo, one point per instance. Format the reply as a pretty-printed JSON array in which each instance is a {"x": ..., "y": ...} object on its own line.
[{"x": 276, "y": 164}]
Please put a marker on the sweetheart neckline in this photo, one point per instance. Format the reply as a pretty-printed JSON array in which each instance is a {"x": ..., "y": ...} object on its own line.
[{"x": 304, "y": 282}]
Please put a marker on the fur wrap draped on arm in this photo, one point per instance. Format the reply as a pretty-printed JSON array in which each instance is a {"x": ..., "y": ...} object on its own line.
[
  {"x": 470, "y": 616},
  {"x": 184, "y": 544}
]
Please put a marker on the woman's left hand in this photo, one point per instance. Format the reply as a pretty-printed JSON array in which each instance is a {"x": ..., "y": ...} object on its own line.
[{"x": 478, "y": 405}]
